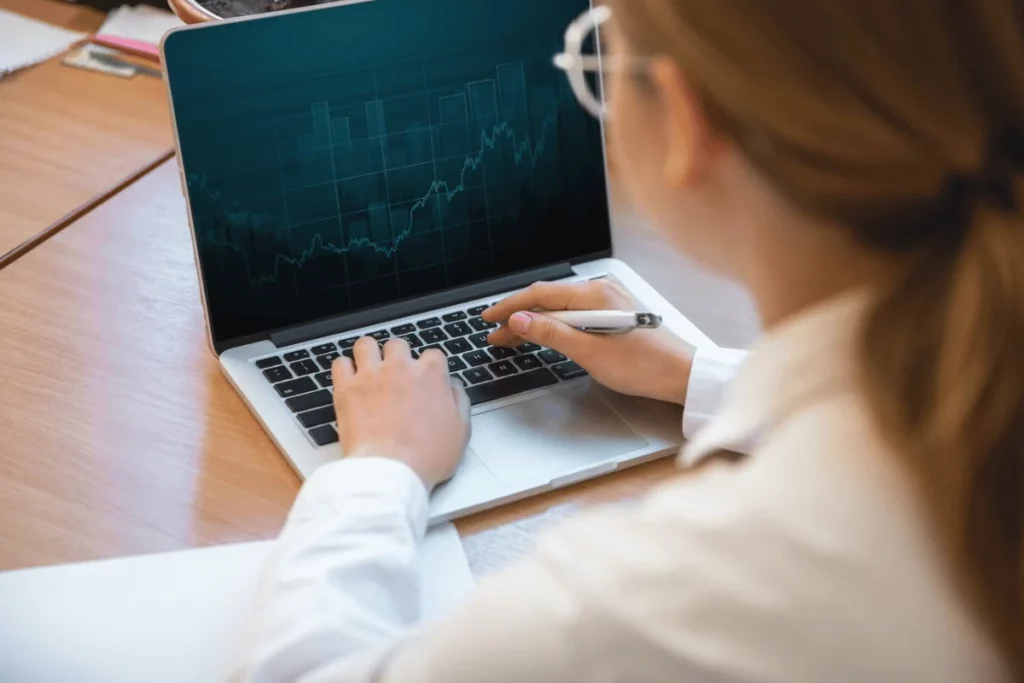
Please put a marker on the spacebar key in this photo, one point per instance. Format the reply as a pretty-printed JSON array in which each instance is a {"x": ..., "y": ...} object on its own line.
[{"x": 509, "y": 386}]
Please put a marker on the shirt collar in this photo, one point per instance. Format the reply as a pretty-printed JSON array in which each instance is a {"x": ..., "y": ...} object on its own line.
[{"x": 803, "y": 359}]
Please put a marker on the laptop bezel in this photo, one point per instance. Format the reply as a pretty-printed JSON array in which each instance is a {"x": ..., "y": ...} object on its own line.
[{"x": 408, "y": 305}]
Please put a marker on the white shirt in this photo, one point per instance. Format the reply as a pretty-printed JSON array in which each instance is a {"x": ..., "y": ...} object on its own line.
[{"x": 808, "y": 561}]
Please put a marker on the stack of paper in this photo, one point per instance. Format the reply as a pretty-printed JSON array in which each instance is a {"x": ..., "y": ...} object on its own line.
[
  {"x": 142, "y": 22},
  {"x": 26, "y": 41}
]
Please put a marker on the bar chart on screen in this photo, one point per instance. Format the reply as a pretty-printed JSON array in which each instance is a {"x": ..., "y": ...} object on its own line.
[{"x": 414, "y": 180}]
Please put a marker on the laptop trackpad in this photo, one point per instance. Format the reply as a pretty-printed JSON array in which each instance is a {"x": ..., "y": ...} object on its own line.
[{"x": 532, "y": 442}]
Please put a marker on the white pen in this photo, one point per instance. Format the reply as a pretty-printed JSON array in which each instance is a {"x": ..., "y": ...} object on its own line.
[{"x": 607, "y": 322}]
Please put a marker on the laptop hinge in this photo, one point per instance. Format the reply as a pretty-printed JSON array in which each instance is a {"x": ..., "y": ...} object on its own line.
[{"x": 352, "y": 321}]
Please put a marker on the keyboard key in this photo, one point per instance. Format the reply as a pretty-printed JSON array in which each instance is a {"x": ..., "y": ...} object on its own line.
[
  {"x": 568, "y": 370},
  {"x": 477, "y": 310},
  {"x": 324, "y": 379},
  {"x": 509, "y": 386},
  {"x": 527, "y": 362},
  {"x": 458, "y": 346},
  {"x": 349, "y": 353},
  {"x": 403, "y": 329},
  {"x": 479, "y": 324},
  {"x": 295, "y": 387},
  {"x": 433, "y": 346},
  {"x": 323, "y": 435},
  {"x": 459, "y": 329},
  {"x": 304, "y": 367},
  {"x": 551, "y": 356},
  {"x": 264, "y": 363},
  {"x": 503, "y": 368},
  {"x": 310, "y": 401},
  {"x": 323, "y": 348},
  {"x": 296, "y": 355},
  {"x": 278, "y": 374},
  {"x": 455, "y": 364},
  {"x": 529, "y": 347},
  {"x": 317, "y": 417},
  {"x": 380, "y": 335},
  {"x": 478, "y": 357},
  {"x": 433, "y": 336},
  {"x": 414, "y": 341},
  {"x": 326, "y": 359},
  {"x": 479, "y": 339},
  {"x": 348, "y": 343},
  {"x": 461, "y": 379},
  {"x": 477, "y": 375},
  {"x": 429, "y": 322},
  {"x": 453, "y": 316},
  {"x": 501, "y": 352}
]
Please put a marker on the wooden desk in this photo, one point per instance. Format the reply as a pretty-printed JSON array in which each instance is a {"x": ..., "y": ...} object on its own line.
[
  {"x": 68, "y": 134},
  {"x": 118, "y": 434}
]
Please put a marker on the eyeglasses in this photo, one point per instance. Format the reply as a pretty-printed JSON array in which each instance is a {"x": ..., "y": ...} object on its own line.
[{"x": 577, "y": 65}]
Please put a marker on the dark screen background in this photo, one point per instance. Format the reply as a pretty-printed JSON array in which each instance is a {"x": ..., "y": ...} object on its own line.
[{"x": 351, "y": 156}]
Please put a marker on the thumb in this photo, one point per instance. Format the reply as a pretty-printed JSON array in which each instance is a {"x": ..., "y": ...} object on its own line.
[
  {"x": 540, "y": 329},
  {"x": 462, "y": 402},
  {"x": 463, "y": 405}
]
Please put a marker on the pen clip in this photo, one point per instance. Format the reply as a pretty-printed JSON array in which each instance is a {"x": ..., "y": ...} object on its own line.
[{"x": 648, "y": 321}]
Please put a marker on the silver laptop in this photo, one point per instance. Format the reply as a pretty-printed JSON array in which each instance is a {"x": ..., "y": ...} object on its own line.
[{"x": 389, "y": 168}]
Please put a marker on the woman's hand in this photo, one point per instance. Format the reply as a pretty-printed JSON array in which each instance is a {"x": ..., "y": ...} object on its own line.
[
  {"x": 400, "y": 408},
  {"x": 649, "y": 363}
]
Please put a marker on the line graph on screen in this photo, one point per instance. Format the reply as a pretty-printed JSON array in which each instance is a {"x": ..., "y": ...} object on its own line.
[{"x": 400, "y": 176}]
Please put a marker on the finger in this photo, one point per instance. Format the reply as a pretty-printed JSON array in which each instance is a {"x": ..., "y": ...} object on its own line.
[
  {"x": 546, "y": 331},
  {"x": 434, "y": 359},
  {"x": 367, "y": 353},
  {"x": 553, "y": 296},
  {"x": 503, "y": 336},
  {"x": 342, "y": 370},
  {"x": 397, "y": 349}
]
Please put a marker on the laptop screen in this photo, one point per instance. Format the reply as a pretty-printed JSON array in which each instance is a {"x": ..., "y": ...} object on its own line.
[{"x": 356, "y": 155}]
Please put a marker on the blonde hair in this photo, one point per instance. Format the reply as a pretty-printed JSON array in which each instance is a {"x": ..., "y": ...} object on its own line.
[{"x": 900, "y": 120}]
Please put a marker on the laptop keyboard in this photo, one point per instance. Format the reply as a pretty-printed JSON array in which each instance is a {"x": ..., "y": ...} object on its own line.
[{"x": 302, "y": 377}]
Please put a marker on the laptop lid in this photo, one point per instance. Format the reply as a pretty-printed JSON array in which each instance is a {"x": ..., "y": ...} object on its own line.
[{"x": 360, "y": 154}]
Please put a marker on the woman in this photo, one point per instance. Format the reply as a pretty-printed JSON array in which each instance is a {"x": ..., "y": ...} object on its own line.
[{"x": 859, "y": 166}]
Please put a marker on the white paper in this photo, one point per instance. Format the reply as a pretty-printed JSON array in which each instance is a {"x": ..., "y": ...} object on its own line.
[
  {"x": 24, "y": 41},
  {"x": 167, "y": 618},
  {"x": 142, "y": 22}
]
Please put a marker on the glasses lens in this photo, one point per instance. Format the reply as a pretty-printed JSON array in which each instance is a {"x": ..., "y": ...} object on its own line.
[
  {"x": 582, "y": 44},
  {"x": 591, "y": 51}
]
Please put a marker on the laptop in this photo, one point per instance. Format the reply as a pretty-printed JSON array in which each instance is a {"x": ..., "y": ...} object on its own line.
[{"x": 390, "y": 168}]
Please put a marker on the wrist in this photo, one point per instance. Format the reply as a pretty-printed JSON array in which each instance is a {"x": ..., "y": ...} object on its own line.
[{"x": 674, "y": 380}]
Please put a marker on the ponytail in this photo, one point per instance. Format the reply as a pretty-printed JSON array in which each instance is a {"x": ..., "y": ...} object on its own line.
[{"x": 943, "y": 359}]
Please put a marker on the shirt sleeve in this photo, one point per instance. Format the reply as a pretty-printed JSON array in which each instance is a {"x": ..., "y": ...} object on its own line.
[
  {"x": 712, "y": 371},
  {"x": 343, "y": 579},
  {"x": 339, "y": 599}
]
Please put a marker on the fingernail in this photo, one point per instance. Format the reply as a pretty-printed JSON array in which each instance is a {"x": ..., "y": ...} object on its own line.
[{"x": 520, "y": 322}]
